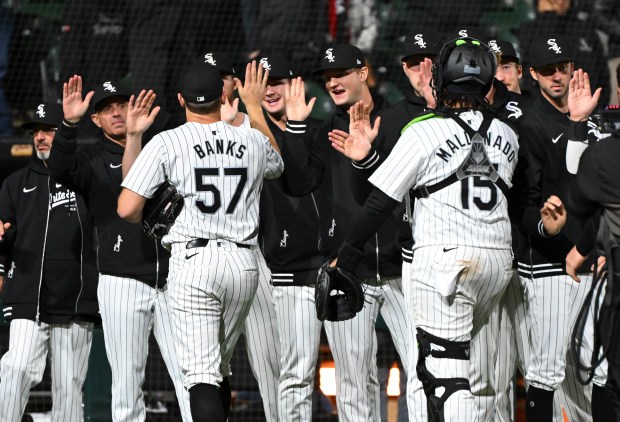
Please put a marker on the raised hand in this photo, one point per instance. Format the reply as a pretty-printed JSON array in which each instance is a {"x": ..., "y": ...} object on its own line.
[
  {"x": 139, "y": 114},
  {"x": 73, "y": 105},
  {"x": 252, "y": 91},
  {"x": 581, "y": 101},
  {"x": 424, "y": 84},
  {"x": 229, "y": 111},
  {"x": 553, "y": 215},
  {"x": 296, "y": 107},
  {"x": 356, "y": 144}
]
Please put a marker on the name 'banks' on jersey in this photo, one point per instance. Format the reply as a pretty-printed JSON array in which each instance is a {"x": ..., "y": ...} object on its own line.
[
  {"x": 472, "y": 211},
  {"x": 222, "y": 190}
]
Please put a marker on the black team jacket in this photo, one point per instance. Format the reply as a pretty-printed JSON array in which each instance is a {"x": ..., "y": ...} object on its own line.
[{"x": 123, "y": 249}]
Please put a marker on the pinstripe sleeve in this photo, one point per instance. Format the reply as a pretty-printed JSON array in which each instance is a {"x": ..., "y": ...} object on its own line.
[
  {"x": 147, "y": 173},
  {"x": 274, "y": 164},
  {"x": 399, "y": 172}
]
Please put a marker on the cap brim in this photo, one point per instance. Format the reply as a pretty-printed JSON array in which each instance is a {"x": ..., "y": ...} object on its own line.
[
  {"x": 97, "y": 105},
  {"x": 33, "y": 124},
  {"x": 552, "y": 60}
]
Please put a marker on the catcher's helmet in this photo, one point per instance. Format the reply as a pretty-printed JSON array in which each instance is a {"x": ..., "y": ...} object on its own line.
[{"x": 464, "y": 66}]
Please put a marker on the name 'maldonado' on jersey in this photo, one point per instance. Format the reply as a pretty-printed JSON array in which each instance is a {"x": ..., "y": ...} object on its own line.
[
  {"x": 470, "y": 212},
  {"x": 219, "y": 171}
]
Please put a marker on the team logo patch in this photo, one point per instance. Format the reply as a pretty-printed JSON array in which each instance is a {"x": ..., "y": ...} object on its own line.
[
  {"x": 200, "y": 98},
  {"x": 329, "y": 55},
  {"x": 516, "y": 112},
  {"x": 463, "y": 33},
  {"x": 419, "y": 40},
  {"x": 265, "y": 63},
  {"x": 41, "y": 111},
  {"x": 107, "y": 86},
  {"x": 495, "y": 47},
  {"x": 209, "y": 59},
  {"x": 554, "y": 46}
]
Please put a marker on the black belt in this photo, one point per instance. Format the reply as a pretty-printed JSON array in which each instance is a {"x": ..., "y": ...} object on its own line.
[{"x": 201, "y": 243}]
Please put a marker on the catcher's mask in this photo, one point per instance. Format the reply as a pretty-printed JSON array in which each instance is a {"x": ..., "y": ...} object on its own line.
[{"x": 464, "y": 66}]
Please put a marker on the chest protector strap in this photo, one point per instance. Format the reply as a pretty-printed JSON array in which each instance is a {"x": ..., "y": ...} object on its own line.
[{"x": 477, "y": 162}]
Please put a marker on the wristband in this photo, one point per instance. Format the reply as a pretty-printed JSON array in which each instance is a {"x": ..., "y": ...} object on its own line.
[{"x": 68, "y": 123}]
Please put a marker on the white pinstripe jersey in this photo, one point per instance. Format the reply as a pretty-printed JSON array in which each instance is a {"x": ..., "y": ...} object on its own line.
[
  {"x": 219, "y": 170},
  {"x": 470, "y": 212}
]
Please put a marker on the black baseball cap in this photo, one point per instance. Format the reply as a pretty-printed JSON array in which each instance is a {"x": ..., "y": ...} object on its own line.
[
  {"x": 506, "y": 49},
  {"x": 277, "y": 65},
  {"x": 109, "y": 89},
  {"x": 45, "y": 114},
  {"x": 341, "y": 56},
  {"x": 421, "y": 43},
  {"x": 550, "y": 50},
  {"x": 201, "y": 84},
  {"x": 220, "y": 61}
]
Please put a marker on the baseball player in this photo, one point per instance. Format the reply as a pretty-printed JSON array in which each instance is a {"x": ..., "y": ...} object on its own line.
[
  {"x": 592, "y": 189},
  {"x": 462, "y": 259},
  {"x": 289, "y": 229},
  {"x": 313, "y": 166},
  {"x": 219, "y": 170},
  {"x": 551, "y": 296},
  {"x": 132, "y": 291},
  {"x": 51, "y": 281},
  {"x": 420, "y": 48},
  {"x": 260, "y": 327}
]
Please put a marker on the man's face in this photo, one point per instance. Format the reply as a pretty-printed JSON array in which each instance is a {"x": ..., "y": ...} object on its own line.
[
  {"x": 553, "y": 79},
  {"x": 509, "y": 74},
  {"x": 275, "y": 96},
  {"x": 111, "y": 118},
  {"x": 229, "y": 87},
  {"x": 43, "y": 136},
  {"x": 345, "y": 86},
  {"x": 411, "y": 67}
]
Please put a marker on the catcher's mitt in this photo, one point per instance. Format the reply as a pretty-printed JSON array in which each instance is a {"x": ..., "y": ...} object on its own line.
[
  {"x": 339, "y": 295},
  {"x": 161, "y": 210}
]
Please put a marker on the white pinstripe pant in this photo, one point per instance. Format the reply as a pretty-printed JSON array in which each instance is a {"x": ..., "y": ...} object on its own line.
[
  {"x": 130, "y": 310},
  {"x": 459, "y": 315},
  {"x": 263, "y": 341},
  {"x": 22, "y": 367},
  {"x": 210, "y": 297}
]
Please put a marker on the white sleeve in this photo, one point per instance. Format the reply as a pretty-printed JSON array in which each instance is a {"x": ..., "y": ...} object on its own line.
[
  {"x": 400, "y": 170},
  {"x": 274, "y": 165},
  {"x": 147, "y": 172}
]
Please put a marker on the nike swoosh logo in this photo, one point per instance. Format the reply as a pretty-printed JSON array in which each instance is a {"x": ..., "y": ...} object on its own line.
[
  {"x": 112, "y": 166},
  {"x": 554, "y": 140},
  {"x": 449, "y": 249},
  {"x": 29, "y": 190},
  {"x": 191, "y": 256},
  {"x": 58, "y": 185}
]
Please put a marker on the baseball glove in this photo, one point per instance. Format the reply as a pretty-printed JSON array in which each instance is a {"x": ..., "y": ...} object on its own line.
[
  {"x": 161, "y": 210},
  {"x": 339, "y": 295}
]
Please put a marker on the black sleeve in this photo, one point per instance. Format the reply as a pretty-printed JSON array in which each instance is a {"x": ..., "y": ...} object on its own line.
[
  {"x": 526, "y": 193},
  {"x": 361, "y": 171},
  {"x": 7, "y": 215},
  {"x": 375, "y": 211},
  {"x": 68, "y": 165},
  {"x": 302, "y": 161}
]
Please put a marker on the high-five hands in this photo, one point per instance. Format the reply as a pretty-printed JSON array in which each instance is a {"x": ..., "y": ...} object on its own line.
[{"x": 356, "y": 144}]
